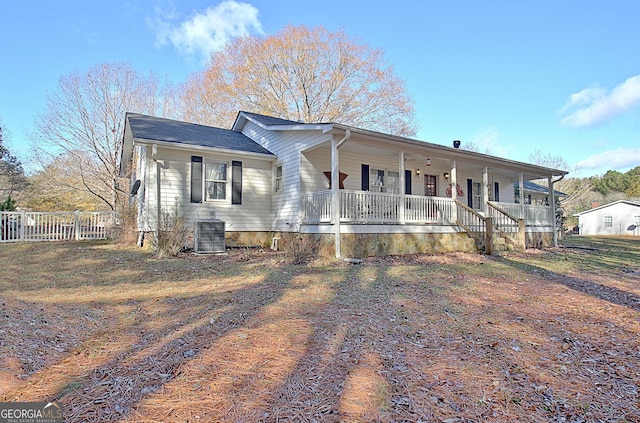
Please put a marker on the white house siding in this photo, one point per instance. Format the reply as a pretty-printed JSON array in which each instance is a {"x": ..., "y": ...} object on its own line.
[
  {"x": 286, "y": 145},
  {"x": 175, "y": 177},
  {"x": 623, "y": 215},
  {"x": 507, "y": 191},
  {"x": 139, "y": 172},
  {"x": 315, "y": 162}
]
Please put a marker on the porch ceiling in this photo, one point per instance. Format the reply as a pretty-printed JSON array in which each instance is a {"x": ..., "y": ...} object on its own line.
[{"x": 417, "y": 152}]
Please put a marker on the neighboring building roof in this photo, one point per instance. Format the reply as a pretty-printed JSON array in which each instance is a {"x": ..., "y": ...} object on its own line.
[
  {"x": 160, "y": 129},
  {"x": 631, "y": 203},
  {"x": 533, "y": 188}
]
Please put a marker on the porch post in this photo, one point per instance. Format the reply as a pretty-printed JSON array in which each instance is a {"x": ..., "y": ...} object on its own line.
[
  {"x": 454, "y": 181},
  {"x": 335, "y": 193},
  {"x": 552, "y": 199},
  {"x": 521, "y": 194},
  {"x": 485, "y": 190},
  {"x": 454, "y": 189},
  {"x": 335, "y": 187},
  {"x": 401, "y": 188}
]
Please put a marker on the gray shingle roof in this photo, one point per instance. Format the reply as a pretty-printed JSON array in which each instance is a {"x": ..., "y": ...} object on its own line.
[
  {"x": 167, "y": 130},
  {"x": 533, "y": 187},
  {"x": 269, "y": 120}
]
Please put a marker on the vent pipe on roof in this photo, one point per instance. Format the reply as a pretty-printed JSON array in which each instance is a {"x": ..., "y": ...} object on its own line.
[{"x": 456, "y": 144}]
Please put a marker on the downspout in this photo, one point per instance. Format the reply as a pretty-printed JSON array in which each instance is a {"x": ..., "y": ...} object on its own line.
[
  {"x": 553, "y": 207},
  {"x": 335, "y": 187}
]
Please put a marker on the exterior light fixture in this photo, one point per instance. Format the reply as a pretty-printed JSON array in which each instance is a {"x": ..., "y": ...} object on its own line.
[
  {"x": 446, "y": 175},
  {"x": 428, "y": 161},
  {"x": 418, "y": 172}
]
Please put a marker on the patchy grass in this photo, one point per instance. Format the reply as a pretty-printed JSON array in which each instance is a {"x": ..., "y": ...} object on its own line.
[{"x": 118, "y": 335}]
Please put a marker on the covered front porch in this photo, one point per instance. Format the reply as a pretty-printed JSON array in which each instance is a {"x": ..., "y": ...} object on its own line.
[{"x": 508, "y": 222}]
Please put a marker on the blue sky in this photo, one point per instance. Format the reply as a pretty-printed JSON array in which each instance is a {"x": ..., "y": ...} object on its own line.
[{"x": 513, "y": 77}]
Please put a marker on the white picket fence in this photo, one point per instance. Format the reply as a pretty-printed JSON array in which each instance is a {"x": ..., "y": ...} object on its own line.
[{"x": 59, "y": 226}]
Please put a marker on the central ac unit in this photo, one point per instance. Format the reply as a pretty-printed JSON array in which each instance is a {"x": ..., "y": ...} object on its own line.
[{"x": 209, "y": 236}]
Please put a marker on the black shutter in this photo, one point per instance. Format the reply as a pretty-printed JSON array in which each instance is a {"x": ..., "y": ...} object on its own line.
[
  {"x": 236, "y": 182},
  {"x": 407, "y": 181},
  {"x": 496, "y": 191},
  {"x": 196, "y": 179},
  {"x": 470, "y": 193},
  {"x": 365, "y": 177}
]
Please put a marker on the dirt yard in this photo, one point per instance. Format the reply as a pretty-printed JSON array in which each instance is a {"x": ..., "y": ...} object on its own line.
[{"x": 117, "y": 335}]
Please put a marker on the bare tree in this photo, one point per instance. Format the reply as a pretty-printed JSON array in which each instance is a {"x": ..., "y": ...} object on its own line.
[
  {"x": 302, "y": 74},
  {"x": 84, "y": 121},
  {"x": 11, "y": 173},
  {"x": 475, "y": 147},
  {"x": 55, "y": 187},
  {"x": 539, "y": 158}
]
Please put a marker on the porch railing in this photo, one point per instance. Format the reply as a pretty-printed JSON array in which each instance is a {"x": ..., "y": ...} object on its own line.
[
  {"x": 316, "y": 207},
  {"x": 376, "y": 207},
  {"x": 475, "y": 224},
  {"x": 365, "y": 206},
  {"x": 429, "y": 209},
  {"x": 533, "y": 215},
  {"x": 61, "y": 226}
]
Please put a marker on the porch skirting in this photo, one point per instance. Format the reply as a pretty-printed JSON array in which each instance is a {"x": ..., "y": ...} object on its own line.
[{"x": 361, "y": 241}]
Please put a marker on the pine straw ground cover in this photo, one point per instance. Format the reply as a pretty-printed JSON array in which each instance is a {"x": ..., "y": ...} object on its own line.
[{"x": 117, "y": 335}]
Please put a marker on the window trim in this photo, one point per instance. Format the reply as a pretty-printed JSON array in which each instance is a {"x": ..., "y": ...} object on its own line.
[
  {"x": 425, "y": 184},
  {"x": 227, "y": 197},
  {"x": 277, "y": 187},
  {"x": 476, "y": 196}
]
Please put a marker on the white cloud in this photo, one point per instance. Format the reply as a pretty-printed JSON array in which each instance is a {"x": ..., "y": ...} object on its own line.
[
  {"x": 207, "y": 32},
  {"x": 620, "y": 158},
  {"x": 596, "y": 105}
]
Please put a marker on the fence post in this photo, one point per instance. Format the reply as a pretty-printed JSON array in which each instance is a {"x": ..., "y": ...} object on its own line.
[
  {"x": 23, "y": 219},
  {"x": 76, "y": 224}
]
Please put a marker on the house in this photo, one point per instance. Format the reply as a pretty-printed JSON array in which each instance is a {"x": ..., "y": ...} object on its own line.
[
  {"x": 618, "y": 218},
  {"x": 536, "y": 193},
  {"x": 348, "y": 191}
]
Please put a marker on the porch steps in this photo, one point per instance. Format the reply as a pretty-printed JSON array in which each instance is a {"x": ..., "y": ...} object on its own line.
[{"x": 500, "y": 242}]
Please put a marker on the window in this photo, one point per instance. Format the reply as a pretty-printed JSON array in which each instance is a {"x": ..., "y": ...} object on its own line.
[
  {"x": 636, "y": 220},
  {"x": 430, "y": 187},
  {"x": 384, "y": 181},
  {"x": 608, "y": 221},
  {"x": 476, "y": 195},
  {"x": 277, "y": 178},
  {"x": 376, "y": 180},
  {"x": 393, "y": 182},
  {"x": 215, "y": 180}
]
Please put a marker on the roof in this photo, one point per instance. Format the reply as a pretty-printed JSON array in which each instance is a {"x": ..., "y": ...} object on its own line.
[
  {"x": 269, "y": 120},
  {"x": 152, "y": 128},
  {"x": 532, "y": 187},
  {"x": 530, "y": 171},
  {"x": 631, "y": 203}
]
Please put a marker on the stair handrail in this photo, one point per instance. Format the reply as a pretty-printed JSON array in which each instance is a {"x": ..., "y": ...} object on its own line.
[
  {"x": 474, "y": 224},
  {"x": 502, "y": 221},
  {"x": 505, "y": 223}
]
